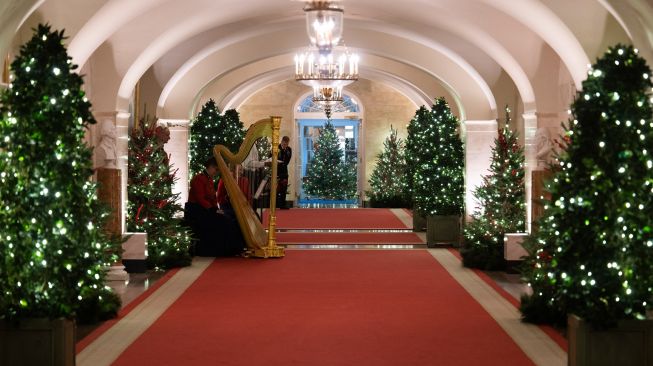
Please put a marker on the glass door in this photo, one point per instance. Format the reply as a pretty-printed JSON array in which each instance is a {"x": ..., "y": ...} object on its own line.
[{"x": 309, "y": 131}]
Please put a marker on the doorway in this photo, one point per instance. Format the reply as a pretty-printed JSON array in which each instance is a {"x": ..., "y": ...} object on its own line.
[{"x": 309, "y": 121}]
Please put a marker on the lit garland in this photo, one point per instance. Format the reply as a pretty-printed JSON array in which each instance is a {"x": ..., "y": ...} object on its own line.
[
  {"x": 593, "y": 253},
  {"x": 152, "y": 207},
  {"x": 52, "y": 248},
  {"x": 435, "y": 159},
  {"x": 210, "y": 128},
  {"x": 501, "y": 203},
  {"x": 388, "y": 186},
  {"x": 329, "y": 175}
]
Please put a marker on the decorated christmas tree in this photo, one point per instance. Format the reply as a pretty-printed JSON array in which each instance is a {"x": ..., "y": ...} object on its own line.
[
  {"x": 329, "y": 176},
  {"x": 435, "y": 161},
  {"x": 264, "y": 148},
  {"x": 53, "y": 252},
  {"x": 501, "y": 203},
  {"x": 210, "y": 128},
  {"x": 593, "y": 250},
  {"x": 205, "y": 132},
  {"x": 233, "y": 131},
  {"x": 152, "y": 206},
  {"x": 388, "y": 187}
]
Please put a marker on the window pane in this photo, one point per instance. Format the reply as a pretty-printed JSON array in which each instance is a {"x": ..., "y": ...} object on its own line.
[{"x": 348, "y": 105}]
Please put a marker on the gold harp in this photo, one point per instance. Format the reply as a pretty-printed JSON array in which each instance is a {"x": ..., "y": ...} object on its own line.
[{"x": 259, "y": 243}]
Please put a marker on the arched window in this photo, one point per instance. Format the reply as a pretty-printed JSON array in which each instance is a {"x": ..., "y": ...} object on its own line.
[{"x": 348, "y": 105}]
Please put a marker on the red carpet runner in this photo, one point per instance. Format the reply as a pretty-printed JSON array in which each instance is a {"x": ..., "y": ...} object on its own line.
[
  {"x": 336, "y": 218},
  {"x": 348, "y": 238},
  {"x": 326, "y": 308}
]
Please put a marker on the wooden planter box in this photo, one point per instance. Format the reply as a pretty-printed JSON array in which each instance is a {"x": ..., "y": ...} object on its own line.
[
  {"x": 443, "y": 230},
  {"x": 629, "y": 344},
  {"x": 419, "y": 222},
  {"x": 513, "y": 251},
  {"x": 37, "y": 342},
  {"x": 134, "y": 253}
]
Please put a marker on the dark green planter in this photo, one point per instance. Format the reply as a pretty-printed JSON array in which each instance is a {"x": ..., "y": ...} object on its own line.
[
  {"x": 443, "y": 230},
  {"x": 629, "y": 344},
  {"x": 419, "y": 222},
  {"x": 37, "y": 342}
]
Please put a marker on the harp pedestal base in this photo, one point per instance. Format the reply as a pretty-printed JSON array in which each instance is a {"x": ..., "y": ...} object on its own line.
[{"x": 269, "y": 252}]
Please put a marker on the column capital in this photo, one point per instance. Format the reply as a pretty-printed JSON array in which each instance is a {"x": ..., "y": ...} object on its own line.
[
  {"x": 547, "y": 114},
  {"x": 481, "y": 125},
  {"x": 112, "y": 114},
  {"x": 174, "y": 124}
]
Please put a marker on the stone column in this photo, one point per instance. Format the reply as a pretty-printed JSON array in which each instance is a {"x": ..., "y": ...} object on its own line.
[
  {"x": 530, "y": 126},
  {"x": 479, "y": 138},
  {"x": 177, "y": 147}
]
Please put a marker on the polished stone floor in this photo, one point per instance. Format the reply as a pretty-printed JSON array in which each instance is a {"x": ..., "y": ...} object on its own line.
[
  {"x": 510, "y": 282},
  {"x": 128, "y": 292}
]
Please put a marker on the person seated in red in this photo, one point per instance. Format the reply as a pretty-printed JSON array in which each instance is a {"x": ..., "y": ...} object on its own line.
[
  {"x": 223, "y": 197},
  {"x": 218, "y": 234},
  {"x": 202, "y": 188}
]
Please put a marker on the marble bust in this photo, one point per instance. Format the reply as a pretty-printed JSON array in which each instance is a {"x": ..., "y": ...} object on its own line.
[
  {"x": 105, "y": 152},
  {"x": 543, "y": 147}
]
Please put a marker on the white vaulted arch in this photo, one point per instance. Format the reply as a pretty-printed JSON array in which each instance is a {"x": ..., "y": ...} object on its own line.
[
  {"x": 551, "y": 29},
  {"x": 236, "y": 97},
  {"x": 363, "y": 32},
  {"x": 461, "y": 81}
]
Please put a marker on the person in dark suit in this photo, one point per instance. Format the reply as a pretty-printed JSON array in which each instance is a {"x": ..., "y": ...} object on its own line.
[
  {"x": 283, "y": 159},
  {"x": 218, "y": 235}
]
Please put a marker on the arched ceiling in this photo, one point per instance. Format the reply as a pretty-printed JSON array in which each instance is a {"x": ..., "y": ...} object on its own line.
[
  {"x": 235, "y": 46},
  {"x": 200, "y": 71}
]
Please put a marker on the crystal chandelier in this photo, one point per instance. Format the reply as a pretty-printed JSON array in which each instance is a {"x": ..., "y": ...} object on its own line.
[
  {"x": 325, "y": 66},
  {"x": 330, "y": 71},
  {"x": 327, "y": 97},
  {"x": 324, "y": 23}
]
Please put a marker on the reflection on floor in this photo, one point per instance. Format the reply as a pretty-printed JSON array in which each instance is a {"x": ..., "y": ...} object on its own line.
[
  {"x": 511, "y": 283},
  {"x": 353, "y": 246},
  {"x": 128, "y": 292}
]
